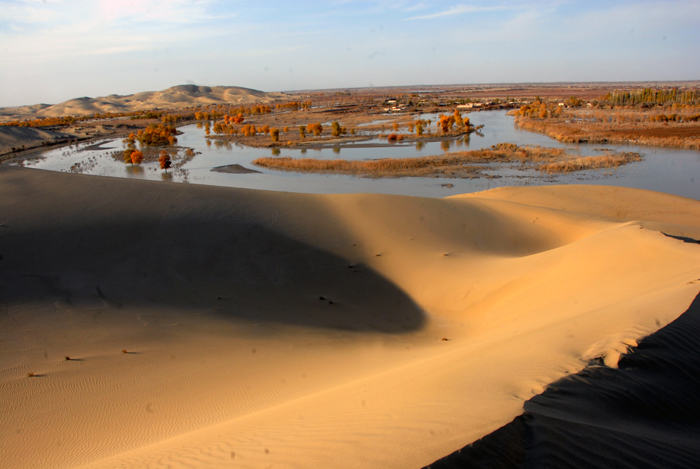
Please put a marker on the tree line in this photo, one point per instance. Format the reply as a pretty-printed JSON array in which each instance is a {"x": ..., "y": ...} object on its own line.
[{"x": 653, "y": 96}]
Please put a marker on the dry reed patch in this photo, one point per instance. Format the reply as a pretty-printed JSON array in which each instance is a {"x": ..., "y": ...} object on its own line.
[
  {"x": 462, "y": 164},
  {"x": 590, "y": 162},
  {"x": 677, "y": 135}
]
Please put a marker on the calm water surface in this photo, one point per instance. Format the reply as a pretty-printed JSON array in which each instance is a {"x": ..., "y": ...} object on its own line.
[{"x": 663, "y": 169}]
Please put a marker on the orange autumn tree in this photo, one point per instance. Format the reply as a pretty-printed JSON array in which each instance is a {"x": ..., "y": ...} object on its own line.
[
  {"x": 155, "y": 135},
  {"x": 249, "y": 130},
  {"x": 136, "y": 157},
  {"x": 458, "y": 118},
  {"x": 316, "y": 129},
  {"x": 130, "y": 143},
  {"x": 446, "y": 123},
  {"x": 337, "y": 130},
  {"x": 164, "y": 160}
]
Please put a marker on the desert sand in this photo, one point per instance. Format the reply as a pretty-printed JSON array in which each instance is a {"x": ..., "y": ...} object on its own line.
[
  {"x": 220, "y": 327},
  {"x": 175, "y": 97},
  {"x": 12, "y": 137},
  {"x": 644, "y": 413}
]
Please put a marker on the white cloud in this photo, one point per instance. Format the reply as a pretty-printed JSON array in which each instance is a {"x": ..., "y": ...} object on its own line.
[
  {"x": 161, "y": 11},
  {"x": 459, "y": 10},
  {"x": 417, "y": 7},
  {"x": 21, "y": 13}
]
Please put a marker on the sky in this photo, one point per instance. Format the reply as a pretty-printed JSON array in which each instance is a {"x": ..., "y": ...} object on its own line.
[{"x": 55, "y": 50}]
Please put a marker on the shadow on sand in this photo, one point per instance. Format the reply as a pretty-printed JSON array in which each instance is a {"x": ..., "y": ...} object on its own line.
[{"x": 127, "y": 244}]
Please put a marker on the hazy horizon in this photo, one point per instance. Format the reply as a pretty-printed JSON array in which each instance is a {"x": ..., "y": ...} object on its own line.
[{"x": 55, "y": 50}]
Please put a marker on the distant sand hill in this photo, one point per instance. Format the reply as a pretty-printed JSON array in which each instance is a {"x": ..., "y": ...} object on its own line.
[{"x": 176, "y": 97}]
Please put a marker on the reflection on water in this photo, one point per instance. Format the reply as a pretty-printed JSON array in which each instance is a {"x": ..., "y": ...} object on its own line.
[
  {"x": 666, "y": 170},
  {"x": 135, "y": 170}
]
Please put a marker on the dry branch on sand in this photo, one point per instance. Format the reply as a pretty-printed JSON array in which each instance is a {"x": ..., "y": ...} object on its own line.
[{"x": 457, "y": 164}]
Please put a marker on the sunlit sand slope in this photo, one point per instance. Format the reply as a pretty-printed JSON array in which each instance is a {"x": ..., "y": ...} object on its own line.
[
  {"x": 646, "y": 413},
  {"x": 291, "y": 330}
]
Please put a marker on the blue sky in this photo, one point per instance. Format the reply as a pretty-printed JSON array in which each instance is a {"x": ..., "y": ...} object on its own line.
[{"x": 54, "y": 50}]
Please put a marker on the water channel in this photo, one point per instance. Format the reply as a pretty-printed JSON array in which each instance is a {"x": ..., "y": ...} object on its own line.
[{"x": 663, "y": 169}]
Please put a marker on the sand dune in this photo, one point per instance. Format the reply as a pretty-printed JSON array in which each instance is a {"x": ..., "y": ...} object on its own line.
[
  {"x": 175, "y": 97},
  {"x": 292, "y": 330},
  {"x": 644, "y": 414},
  {"x": 27, "y": 137}
]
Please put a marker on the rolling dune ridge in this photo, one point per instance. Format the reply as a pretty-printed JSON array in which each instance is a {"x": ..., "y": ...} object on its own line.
[{"x": 175, "y": 97}]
